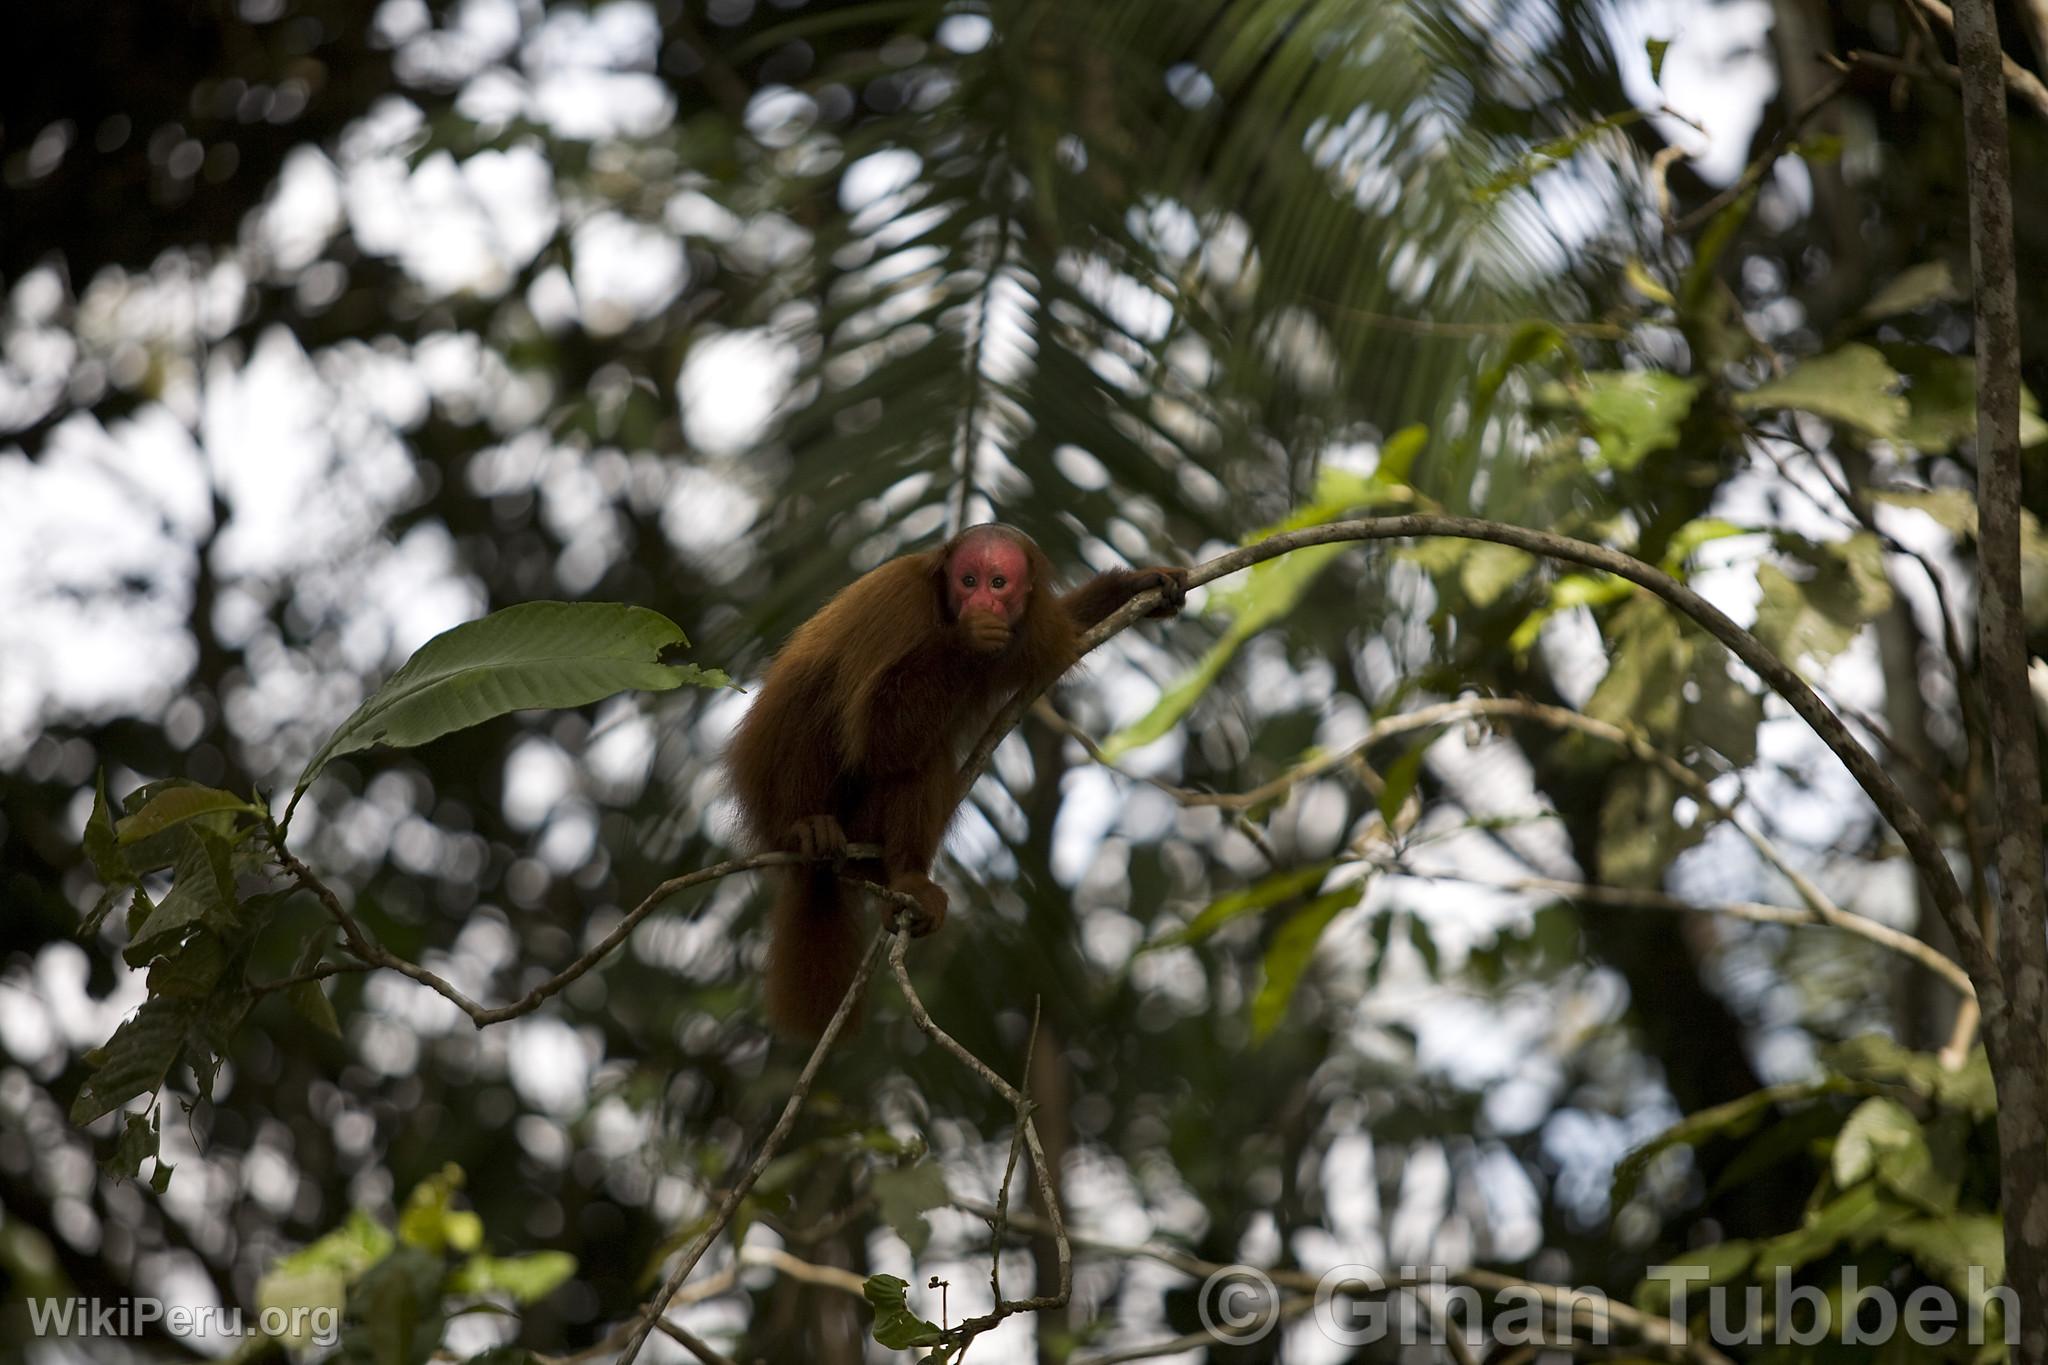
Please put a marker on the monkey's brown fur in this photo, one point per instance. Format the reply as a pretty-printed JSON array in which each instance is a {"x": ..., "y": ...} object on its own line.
[{"x": 863, "y": 718}]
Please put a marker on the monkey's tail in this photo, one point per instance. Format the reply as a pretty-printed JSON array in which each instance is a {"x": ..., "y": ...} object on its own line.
[{"x": 814, "y": 951}]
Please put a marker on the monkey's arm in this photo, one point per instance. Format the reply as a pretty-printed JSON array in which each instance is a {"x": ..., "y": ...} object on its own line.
[{"x": 1099, "y": 596}]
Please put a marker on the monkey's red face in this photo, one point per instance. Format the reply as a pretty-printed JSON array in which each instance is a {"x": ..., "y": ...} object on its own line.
[{"x": 988, "y": 574}]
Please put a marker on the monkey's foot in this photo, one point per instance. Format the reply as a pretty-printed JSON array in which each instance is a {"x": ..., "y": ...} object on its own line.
[
  {"x": 931, "y": 905},
  {"x": 1173, "y": 589},
  {"x": 818, "y": 836}
]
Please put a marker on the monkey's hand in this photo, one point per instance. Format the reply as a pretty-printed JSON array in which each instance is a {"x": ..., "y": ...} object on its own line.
[
  {"x": 817, "y": 836},
  {"x": 1172, "y": 584},
  {"x": 931, "y": 903},
  {"x": 984, "y": 632}
]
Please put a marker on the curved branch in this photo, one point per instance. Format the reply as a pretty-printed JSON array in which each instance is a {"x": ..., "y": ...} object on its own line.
[{"x": 1928, "y": 857}]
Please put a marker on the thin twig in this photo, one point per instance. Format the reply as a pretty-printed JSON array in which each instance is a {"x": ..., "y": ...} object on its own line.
[
  {"x": 1047, "y": 1190},
  {"x": 1755, "y": 171},
  {"x": 1754, "y": 911},
  {"x": 373, "y": 954},
  {"x": 1821, "y": 909},
  {"x": 2018, "y": 79},
  {"x": 1926, "y": 851},
  {"x": 730, "y": 1204}
]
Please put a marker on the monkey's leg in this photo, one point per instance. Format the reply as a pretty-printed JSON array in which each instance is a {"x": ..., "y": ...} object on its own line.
[{"x": 914, "y": 811}]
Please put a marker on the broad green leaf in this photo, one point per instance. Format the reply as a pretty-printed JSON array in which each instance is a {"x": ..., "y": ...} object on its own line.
[
  {"x": 896, "y": 1327},
  {"x": 1733, "y": 1119},
  {"x": 1718, "y": 1263},
  {"x": 430, "y": 1220},
  {"x": 193, "y": 970},
  {"x": 1397, "y": 455},
  {"x": 1874, "y": 1126},
  {"x": 1723, "y": 715},
  {"x": 1942, "y": 392},
  {"x": 905, "y": 1194},
  {"x": 1947, "y": 1248},
  {"x": 1692, "y": 535},
  {"x": 1953, "y": 509},
  {"x": 177, "y": 805},
  {"x": 1489, "y": 570},
  {"x": 1639, "y": 833},
  {"x": 1279, "y": 887},
  {"x": 1852, "y": 385},
  {"x": 538, "y": 654},
  {"x": 134, "y": 1060},
  {"x": 310, "y": 1003},
  {"x": 1287, "y": 957},
  {"x": 360, "y": 1242},
  {"x": 1645, "y": 669},
  {"x": 1818, "y": 616},
  {"x": 395, "y": 1311},
  {"x": 525, "y": 1278},
  {"x": 202, "y": 892},
  {"x": 315, "y": 1289},
  {"x": 1634, "y": 413},
  {"x": 1912, "y": 289},
  {"x": 1852, "y": 1220},
  {"x": 1872, "y": 1057},
  {"x": 138, "y": 1143},
  {"x": 1424, "y": 944}
]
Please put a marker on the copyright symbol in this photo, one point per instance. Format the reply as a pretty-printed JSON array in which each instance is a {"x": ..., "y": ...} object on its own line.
[{"x": 1238, "y": 1304}]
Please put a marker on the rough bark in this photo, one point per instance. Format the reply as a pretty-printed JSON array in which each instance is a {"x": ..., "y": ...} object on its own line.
[{"x": 2016, "y": 1026}]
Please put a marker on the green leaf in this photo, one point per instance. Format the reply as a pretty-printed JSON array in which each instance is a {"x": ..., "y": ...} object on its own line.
[
  {"x": 1401, "y": 776},
  {"x": 1266, "y": 592},
  {"x": 1735, "y": 1118},
  {"x": 1639, "y": 829},
  {"x": 1913, "y": 289},
  {"x": 103, "y": 850},
  {"x": 1818, "y": 616},
  {"x": 1872, "y": 1057},
  {"x": 896, "y": 1327},
  {"x": 1876, "y": 1125},
  {"x": 526, "y": 1278},
  {"x": 177, "y": 805},
  {"x": 1425, "y": 945},
  {"x": 1287, "y": 957},
  {"x": 1947, "y": 1248},
  {"x": 1852, "y": 385},
  {"x": 1274, "y": 889},
  {"x": 1397, "y": 455},
  {"x": 1545, "y": 155},
  {"x": 905, "y": 1194},
  {"x": 202, "y": 892},
  {"x": 1853, "y": 1220},
  {"x": 1953, "y": 509},
  {"x": 310, "y": 1003},
  {"x": 431, "y": 1222},
  {"x": 1942, "y": 391},
  {"x": 138, "y": 1143},
  {"x": 538, "y": 654},
  {"x": 134, "y": 1060},
  {"x": 395, "y": 1310},
  {"x": 192, "y": 970},
  {"x": 360, "y": 1242},
  {"x": 1718, "y": 1263},
  {"x": 1656, "y": 48},
  {"x": 1489, "y": 570},
  {"x": 1634, "y": 413},
  {"x": 1695, "y": 533}
]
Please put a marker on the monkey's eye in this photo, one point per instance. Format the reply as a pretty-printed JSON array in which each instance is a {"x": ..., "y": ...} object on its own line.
[
  {"x": 967, "y": 580},
  {"x": 998, "y": 582}
]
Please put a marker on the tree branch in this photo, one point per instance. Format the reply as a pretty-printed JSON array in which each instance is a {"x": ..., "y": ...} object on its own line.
[{"x": 1929, "y": 859}]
